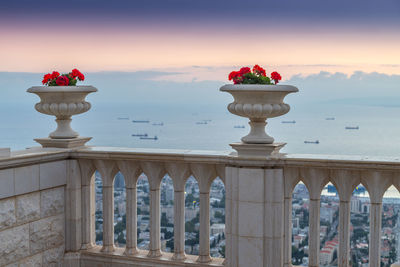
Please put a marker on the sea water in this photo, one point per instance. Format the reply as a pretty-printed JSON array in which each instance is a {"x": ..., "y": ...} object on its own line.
[{"x": 378, "y": 134}]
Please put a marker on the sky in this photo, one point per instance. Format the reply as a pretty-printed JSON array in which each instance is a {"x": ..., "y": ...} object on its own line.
[{"x": 200, "y": 40}]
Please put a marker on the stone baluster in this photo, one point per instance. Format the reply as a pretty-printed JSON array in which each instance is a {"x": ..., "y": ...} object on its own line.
[
  {"x": 154, "y": 172},
  {"x": 291, "y": 180},
  {"x": 88, "y": 203},
  {"x": 205, "y": 174},
  {"x": 131, "y": 171},
  {"x": 179, "y": 172},
  {"x": 345, "y": 182},
  {"x": 315, "y": 180},
  {"x": 221, "y": 174},
  {"x": 376, "y": 183},
  {"x": 107, "y": 171}
]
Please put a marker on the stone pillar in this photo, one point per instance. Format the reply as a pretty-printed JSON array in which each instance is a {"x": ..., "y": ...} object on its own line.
[
  {"x": 107, "y": 170},
  {"x": 179, "y": 172},
  {"x": 204, "y": 242},
  {"x": 87, "y": 203},
  {"x": 344, "y": 233},
  {"x": 345, "y": 181},
  {"x": 255, "y": 214},
  {"x": 108, "y": 218},
  {"x": 155, "y": 172},
  {"x": 131, "y": 172},
  {"x": 314, "y": 233},
  {"x": 131, "y": 221},
  {"x": 291, "y": 180},
  {"x": 375, "y": 234},
  {"x": 205, "y": 174},
  {"x": 376, "y": 182}
]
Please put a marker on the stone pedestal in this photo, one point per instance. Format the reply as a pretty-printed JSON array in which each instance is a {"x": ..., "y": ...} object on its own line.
[
  {"x": 63, "y": 143},
  {"x": 254, "y": 217},
  {"x": 257, "y": 151}
]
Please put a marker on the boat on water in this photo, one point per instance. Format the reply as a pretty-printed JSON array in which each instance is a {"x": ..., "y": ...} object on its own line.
[
  {"x": 311, "y": 142},
  {"x": 140, "y": 135},
  {"x": 239, "y": 126},
  {"x": 330, "y": 119},
  {"x": 149, "y": 138},
  {"x": 123, "y": 118},
  {"x": 352, "y": 128},
  {"x": 158, "y": 124},
  {"x": 140, "y": 121},
  {"x": 293, "y": 121},
  {"x": 201, "y": 122}
]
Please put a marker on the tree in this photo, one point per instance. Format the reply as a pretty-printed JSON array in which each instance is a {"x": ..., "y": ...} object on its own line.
[
  {"x": 164, "y": 220},
  {"x": 99, "y": 236},
  {"x": 213, "y": 244},
  {"x": 170, "y": 244},
  {"x": 222, "y": 251},
  {"x": 219, "y": 215},
  {"x": 121, "y": 239}
]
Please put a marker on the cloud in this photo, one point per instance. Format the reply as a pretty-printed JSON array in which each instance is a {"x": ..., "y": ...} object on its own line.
[{"x": 357, "y": 88}]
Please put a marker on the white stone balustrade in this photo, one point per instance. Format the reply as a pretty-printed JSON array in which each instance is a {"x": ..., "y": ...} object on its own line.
[{"x": 258, "y": 205}]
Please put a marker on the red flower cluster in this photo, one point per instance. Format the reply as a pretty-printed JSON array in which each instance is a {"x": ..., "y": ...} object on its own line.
[
  {"x": 276, "y": 77},
  {"x": 55, "y": 79},
  {"x": 237, "y": 76},
  {"x": 255, "y": 76}
]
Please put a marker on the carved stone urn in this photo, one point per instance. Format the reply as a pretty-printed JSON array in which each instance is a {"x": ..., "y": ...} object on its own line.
[
  {"x": 62, "y": 102},
  {"x": 258, "y": 102}
]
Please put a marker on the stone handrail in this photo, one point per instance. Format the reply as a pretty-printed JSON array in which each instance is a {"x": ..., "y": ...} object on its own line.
[
  {"x": 314, "y": 171},
  {"x": 258, "y": 201}
]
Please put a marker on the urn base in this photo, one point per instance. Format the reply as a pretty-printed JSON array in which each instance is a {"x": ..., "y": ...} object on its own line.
[
  {"x": 257, "y": 151},
  {"x": 63, "y": 143}
]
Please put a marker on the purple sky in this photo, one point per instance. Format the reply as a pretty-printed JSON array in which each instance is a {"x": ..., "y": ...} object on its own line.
[
  {"x": 165, "y": 34},
  {"x": 385, "y": 13}
]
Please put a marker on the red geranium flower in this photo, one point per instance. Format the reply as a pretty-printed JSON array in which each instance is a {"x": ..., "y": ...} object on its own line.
[
  {"x": 276, "y": 77},
  {"x": 236, "y": 76},
  {"x": 81, "y": 77},
  {"x": 259, "y": 71},
  {"x": 55, "y": 74},
  {"x": 233, "y": 75},
  {"x": 76, "y": 73},
  {"x": 62, "y": 81},
  {"x": 46, "y": 78},
  {"x": 244, "y": 70}
]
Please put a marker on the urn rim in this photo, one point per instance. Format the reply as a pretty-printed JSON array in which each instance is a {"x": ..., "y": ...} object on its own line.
[
  {"x": 55, "y": 89},
  {"x": 259, "y": 88}
]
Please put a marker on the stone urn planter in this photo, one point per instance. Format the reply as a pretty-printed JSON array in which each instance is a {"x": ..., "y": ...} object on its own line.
[
  {"x": 258, "y": 102},
  {"x": 62, "y": 102}
]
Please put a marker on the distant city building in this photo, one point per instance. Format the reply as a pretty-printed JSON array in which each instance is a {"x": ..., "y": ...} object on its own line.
[
  {"x": 217, "y": 228},
  {"x": 355, "y": 205}
]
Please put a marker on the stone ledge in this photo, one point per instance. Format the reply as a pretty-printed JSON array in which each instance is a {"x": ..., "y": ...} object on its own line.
[
  {"x": 32, "y": 178},
  {"x": 63, "y": 143},
  {"x": 93, "y": 257}
]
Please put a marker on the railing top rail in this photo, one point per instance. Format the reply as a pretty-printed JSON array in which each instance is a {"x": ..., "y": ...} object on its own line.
[
  {"x": 151, "y": 154},
  {"x": 225, "y": 157},
  {"x": 31, "y": 156},
  {"x": 41, "y": 155}
]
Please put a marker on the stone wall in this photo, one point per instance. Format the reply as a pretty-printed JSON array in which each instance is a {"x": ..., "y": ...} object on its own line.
[{"x": 32, "y": 224}]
